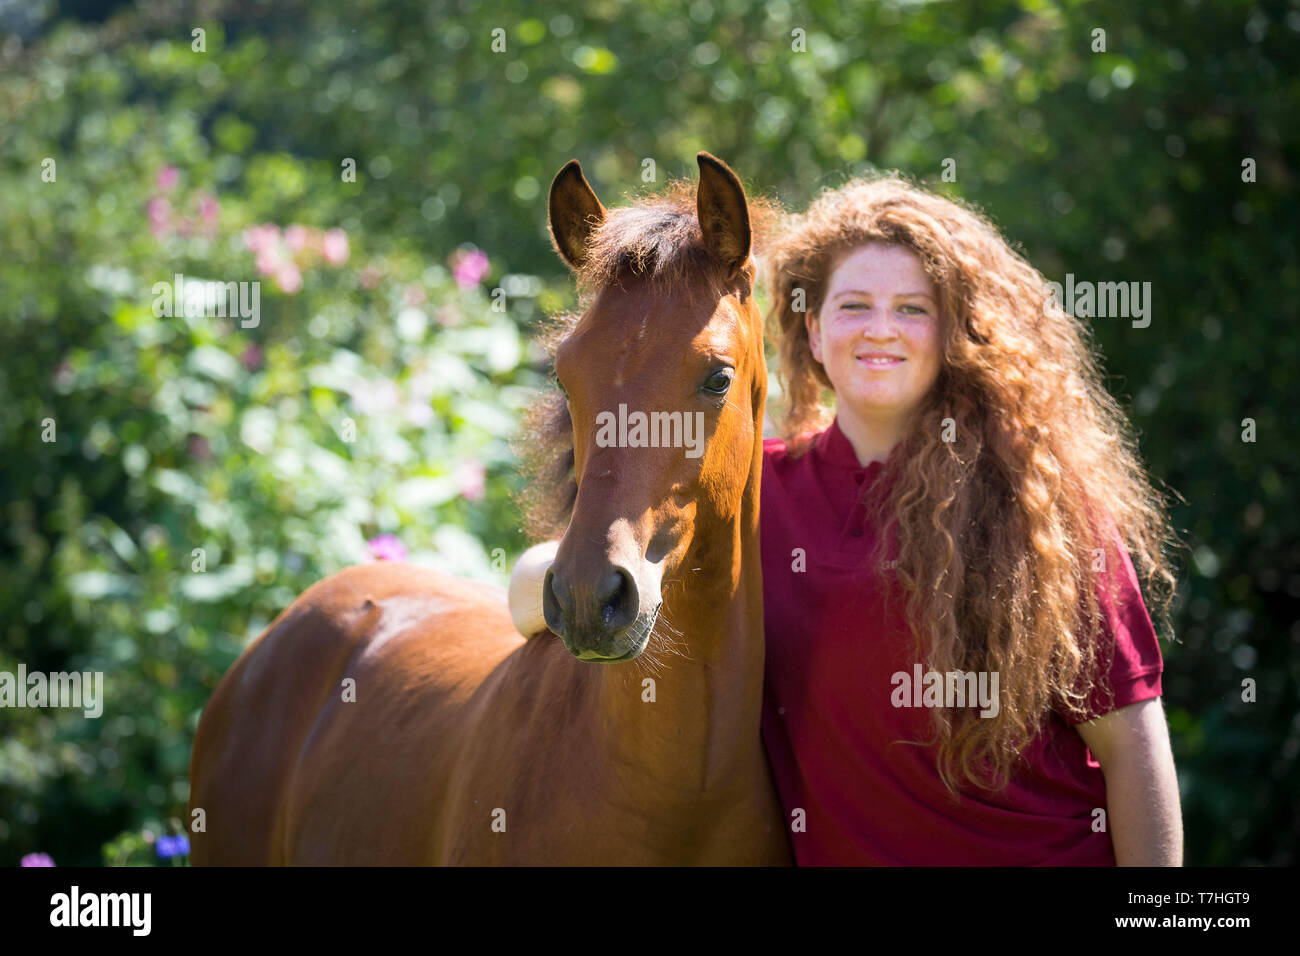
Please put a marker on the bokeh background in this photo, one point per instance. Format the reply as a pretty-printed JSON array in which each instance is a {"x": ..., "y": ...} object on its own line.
[{"x": 404, "y": 303}]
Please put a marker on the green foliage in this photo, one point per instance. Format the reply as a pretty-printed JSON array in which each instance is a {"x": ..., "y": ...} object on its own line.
[
  {"x": 196, "y": 432},
  {"x": 141, "y": 848}
]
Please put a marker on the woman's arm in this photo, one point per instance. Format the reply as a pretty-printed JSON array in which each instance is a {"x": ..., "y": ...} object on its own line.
[
  {"x": 525, "y": 592},
  {"x": 1145, "y": 820}
]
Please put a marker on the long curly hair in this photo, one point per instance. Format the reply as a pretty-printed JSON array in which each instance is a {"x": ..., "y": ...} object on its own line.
[{"x": 996, "y": 528}]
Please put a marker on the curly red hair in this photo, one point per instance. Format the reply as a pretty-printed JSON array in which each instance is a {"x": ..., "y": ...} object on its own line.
[{"x": 997, "y": 529}]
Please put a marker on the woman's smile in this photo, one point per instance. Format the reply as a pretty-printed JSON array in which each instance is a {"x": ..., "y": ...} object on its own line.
[{"x": 879, "y": 362}]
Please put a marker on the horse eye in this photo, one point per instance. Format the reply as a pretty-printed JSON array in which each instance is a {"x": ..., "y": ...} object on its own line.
[{"x": 719, "y": 381}]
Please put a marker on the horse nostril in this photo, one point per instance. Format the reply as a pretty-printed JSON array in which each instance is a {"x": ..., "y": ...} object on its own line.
[
  {"x": 618, "y": 600},
  {"x": 555, "y": 609}
]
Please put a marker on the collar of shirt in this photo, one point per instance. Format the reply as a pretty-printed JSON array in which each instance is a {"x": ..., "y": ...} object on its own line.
[
  {"x": 845, "y": 480},
  {"x": 834, "y": 449}
]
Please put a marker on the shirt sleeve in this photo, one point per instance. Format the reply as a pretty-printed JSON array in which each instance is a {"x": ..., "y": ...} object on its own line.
[{"x": 1129, "y": 651}]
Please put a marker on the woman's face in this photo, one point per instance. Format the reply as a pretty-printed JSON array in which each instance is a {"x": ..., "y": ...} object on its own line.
[{"x": 879, "y": 302}]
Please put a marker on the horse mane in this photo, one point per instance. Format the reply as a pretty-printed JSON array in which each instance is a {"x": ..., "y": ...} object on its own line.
[{"x": 656, "y": 238}]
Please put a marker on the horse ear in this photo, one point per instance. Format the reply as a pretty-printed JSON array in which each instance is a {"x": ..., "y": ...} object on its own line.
[
  {"x": 573, "y": 212},
  {"x": 723, "y": 213}
]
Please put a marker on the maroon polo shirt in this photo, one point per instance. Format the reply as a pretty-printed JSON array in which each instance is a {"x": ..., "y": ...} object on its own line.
[{"x": 830, "y": 724}]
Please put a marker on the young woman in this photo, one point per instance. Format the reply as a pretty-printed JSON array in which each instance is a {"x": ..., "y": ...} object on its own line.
[{"x": 960, "y": 666}]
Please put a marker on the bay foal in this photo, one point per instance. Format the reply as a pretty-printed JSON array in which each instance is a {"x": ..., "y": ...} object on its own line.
[{"x": 628, "y": 736}]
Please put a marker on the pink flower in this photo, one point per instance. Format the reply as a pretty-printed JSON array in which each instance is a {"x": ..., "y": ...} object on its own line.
[
  {"x": 387, "y": 547},
  {"x": 288, "y": 278},
  {"x": 268, "y": 260},
  {"x": 209, "y": 210},
  {"x": 251, "y": 357},
  {"x": 200, "y": 450},
  {"x": 469, "y": 267},
  {"x": 334, "y": 247},
  {"x": 160, "y": 214},
  {"x": 168, "y": 177},
  {"x": 258, "y": 238},
  {"x": 36, "y": 859},
  {"x": 413, "y": 295},
  {"x": 295, "y": 237},
  {"x": 471, "y": 475}
]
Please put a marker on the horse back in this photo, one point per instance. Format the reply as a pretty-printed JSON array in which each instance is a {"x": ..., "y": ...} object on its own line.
[{"x": 328, "y": 736}]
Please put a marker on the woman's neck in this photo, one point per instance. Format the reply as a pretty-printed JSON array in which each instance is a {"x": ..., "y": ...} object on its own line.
[{"x": 873, "y": 437}]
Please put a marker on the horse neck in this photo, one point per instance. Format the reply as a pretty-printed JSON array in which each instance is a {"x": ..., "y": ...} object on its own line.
[{"x": 701, "y": 732}]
